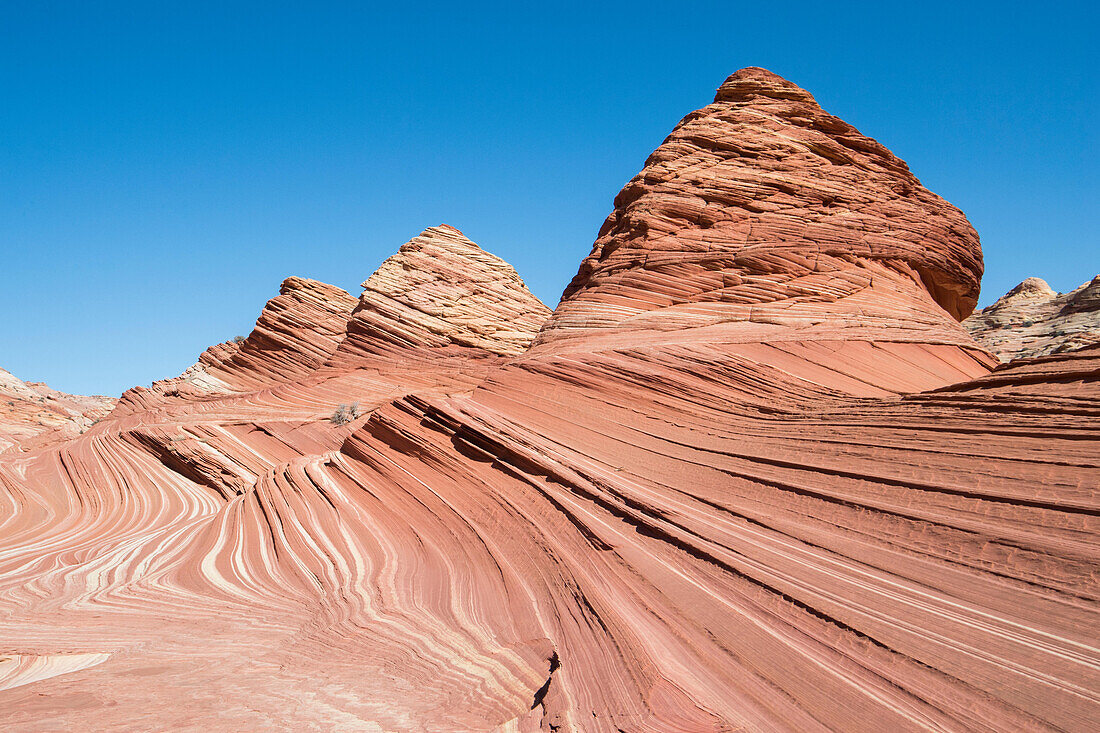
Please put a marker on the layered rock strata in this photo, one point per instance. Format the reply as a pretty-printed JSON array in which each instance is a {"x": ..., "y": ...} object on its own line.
[
  {"x": 441, "y": 289},
  {"x": 764, "y": 211},
  {"x": 297, "y": 331}
]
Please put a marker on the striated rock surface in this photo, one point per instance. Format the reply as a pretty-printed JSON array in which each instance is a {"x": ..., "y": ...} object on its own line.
[
  {"x": 730, "y": 487},
  {"x": 296, "y": 332},
  {"x": 1034, "y": 320},
  {"x": 763, "y": 209},
  {"x": 31, "y": 413},
  {"x": 440, "y": 289}
]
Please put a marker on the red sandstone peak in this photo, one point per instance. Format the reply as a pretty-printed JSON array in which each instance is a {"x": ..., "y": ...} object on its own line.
[
  {"x": 753, "y": 82},
  {"x": 296, "y": 333},
  {"x": 762, "y": 208},
  {"x": 440, "y": 288}
]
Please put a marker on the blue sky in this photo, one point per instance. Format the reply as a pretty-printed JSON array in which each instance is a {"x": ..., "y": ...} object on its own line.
[{"x": 164, "y": 166}]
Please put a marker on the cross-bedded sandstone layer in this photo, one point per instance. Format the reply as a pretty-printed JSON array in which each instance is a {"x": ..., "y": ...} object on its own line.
[
  {"x": 742, "y": 481},
  {"x": 442, "y": 289}
]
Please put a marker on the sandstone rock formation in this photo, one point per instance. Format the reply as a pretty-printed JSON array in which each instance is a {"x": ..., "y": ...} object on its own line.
[
  {"x": 31, "y": 413},
  {"x": 440, "y": 289},
  {"x": 752, "y": 475},
  {"x": 297, "y": 331},
  {"x": 762, "y": 209},
  {"x": 1034, "y": 320}
]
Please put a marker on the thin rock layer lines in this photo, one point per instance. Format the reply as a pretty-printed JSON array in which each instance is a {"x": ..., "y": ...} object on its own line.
[{"x": 752, "y": 474}]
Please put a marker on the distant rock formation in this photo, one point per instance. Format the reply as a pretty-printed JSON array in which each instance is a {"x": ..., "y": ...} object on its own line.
[
  {"x": 31, "y": 413},
  {"x": 1034, "y": 320},
  {"x": 752, "y": 475}
]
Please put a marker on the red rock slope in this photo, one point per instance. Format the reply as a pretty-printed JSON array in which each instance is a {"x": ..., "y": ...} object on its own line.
[
  {"x": 296, "y": 333},
  {"x": 812, "y": 506},
  {"x": 1034, "y": 320}
]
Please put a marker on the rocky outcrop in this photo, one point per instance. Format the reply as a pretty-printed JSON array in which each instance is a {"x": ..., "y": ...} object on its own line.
[
  {"x": 1034, "y": 320},
  {"x": 296, "y": 332},
  {"x": 434, "y": 319},
  {"x": 31, "y": 412},
  {"x": 440, "y": 289},
  {"x": 762, "y": 209},
  {"x": 735, "y": 484}
]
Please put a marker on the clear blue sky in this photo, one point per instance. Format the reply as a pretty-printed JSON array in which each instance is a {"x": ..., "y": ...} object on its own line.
[{"x": 163, "y": 166}]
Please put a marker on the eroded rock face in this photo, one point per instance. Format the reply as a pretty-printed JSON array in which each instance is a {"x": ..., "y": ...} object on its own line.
[
  {"x": 1034, "y": 320},
  {"x": 31, "y": 413},
  {"x": 440, "y": 289},
  {"x": 762, "y": 208},
  {"x": 297, "y": 331},
  {"x": 734, "y": 485}
]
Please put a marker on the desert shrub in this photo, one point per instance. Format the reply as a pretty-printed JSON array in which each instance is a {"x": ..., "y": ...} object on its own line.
[
  {"x": 345, "y": 414},
  {"x": 238, "y": 339}
]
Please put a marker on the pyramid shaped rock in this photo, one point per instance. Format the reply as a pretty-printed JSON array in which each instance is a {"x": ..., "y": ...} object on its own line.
[
  {"x": 442, "y": 289},
  {"x": 439, "y": 290},
  {"x": 763, "y": 208}
]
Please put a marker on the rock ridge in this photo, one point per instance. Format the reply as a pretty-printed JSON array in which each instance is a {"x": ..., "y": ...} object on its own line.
[{"x": 31, "y": 413}]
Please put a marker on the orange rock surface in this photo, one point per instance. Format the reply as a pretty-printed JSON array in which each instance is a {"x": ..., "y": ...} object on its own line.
[{"x": 752, "y": 474}]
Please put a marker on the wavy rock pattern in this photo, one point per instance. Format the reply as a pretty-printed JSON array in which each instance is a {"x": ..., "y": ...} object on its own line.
[
  {"x": 1033, "y": 320},
  {"x": 755, "y": 490}
]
